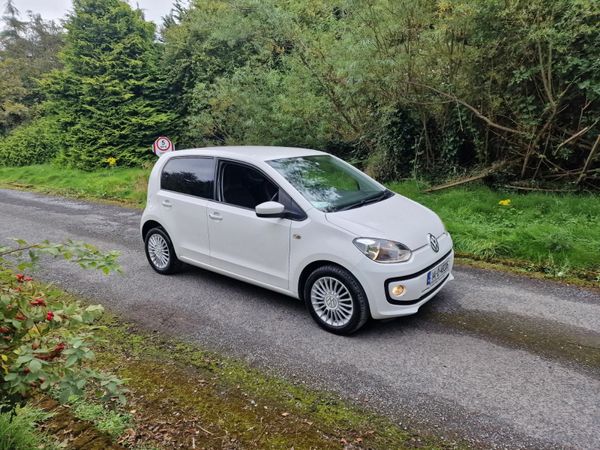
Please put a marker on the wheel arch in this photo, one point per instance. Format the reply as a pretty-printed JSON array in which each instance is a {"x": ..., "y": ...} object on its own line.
[
  {"x": 148, "y": 225},
  {"x": 310, "y": 268}
]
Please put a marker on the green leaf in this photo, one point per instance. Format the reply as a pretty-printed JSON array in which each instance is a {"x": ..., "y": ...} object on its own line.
[
  {"x": 35, "y": 365},
  {"x": 71, "y": 360}
]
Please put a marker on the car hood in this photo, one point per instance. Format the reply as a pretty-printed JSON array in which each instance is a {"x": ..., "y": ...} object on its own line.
[{"x": 396, "y": 218}]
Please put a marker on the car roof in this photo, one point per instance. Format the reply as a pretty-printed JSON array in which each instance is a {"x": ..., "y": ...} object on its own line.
[{"x": 249, "y": 152}]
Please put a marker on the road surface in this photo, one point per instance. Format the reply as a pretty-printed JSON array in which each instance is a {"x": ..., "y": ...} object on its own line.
[{"x": 500, "y": 360}]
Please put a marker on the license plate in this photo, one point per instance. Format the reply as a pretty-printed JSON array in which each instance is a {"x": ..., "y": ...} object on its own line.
[{"x": 437, "y": 273}]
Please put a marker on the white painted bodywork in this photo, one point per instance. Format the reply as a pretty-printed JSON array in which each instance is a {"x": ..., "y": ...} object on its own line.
[{"x": 273, "y": 252}]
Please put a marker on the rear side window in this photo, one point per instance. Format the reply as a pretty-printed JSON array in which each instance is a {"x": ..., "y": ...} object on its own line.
[{"x": 192, "y": 176}]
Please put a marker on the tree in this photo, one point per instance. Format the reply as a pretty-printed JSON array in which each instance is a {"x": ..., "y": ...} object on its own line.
[
  {"x": 107, "y": 98},
  {"x": 28, "y": 49}
]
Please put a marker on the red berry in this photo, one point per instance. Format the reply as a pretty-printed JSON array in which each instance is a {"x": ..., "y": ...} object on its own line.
[
  {"x": 59, "y": 348},
  {"x": 50, "y": 316},
  {"x": 38, "y": 302}
]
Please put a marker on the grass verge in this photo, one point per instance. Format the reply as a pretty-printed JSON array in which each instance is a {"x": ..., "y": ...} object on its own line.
[
  {"x": 183, "y": 397},
  {"x": 556, "y": 235},
  {"x": 126, "y": 186},
  {"x": 180, "y": 396}
]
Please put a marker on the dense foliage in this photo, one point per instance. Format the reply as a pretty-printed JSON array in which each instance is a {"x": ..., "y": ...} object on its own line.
[
  {"x": 34, "y": 142},
  {"x": 28, "y": 50},
  {"x": 44, "y": 339},
  {"x": 432, "y": 88},
  {"x": 106, "y": 99}
]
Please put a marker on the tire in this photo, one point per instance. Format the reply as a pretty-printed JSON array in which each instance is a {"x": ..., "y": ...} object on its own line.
[
  {"x": 336, "y": 300},
  {"x": 157, "y": 240}
]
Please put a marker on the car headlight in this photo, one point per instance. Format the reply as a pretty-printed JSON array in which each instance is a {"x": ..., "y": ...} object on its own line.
[{"x": 382, "y": 250}]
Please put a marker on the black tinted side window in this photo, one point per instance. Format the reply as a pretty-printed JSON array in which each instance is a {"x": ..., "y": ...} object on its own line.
[
  {"x": 193, "y": 176},
  {"x": 246, "y": 187}
]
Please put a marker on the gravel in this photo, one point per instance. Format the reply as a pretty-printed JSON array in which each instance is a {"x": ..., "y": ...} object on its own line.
[{"x": 424, "y": 373}]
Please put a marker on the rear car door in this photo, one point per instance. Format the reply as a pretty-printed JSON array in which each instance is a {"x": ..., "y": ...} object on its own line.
[
  {"x": 186, "y": 186},
  {"x": 240, "y": 242}
]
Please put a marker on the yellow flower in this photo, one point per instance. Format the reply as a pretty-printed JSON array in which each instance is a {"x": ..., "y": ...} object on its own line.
[
  {"x": 112, "y": 162},
  {"x": 505, "y": 202}
]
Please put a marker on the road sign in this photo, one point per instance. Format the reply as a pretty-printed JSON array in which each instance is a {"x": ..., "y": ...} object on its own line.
[{"x": 162, "y": 145}]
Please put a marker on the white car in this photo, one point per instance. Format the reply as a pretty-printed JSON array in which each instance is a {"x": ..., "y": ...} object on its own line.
[{"x": 300, "y": 222}]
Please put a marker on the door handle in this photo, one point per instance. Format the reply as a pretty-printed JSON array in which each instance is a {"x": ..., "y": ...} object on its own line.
[
  {"x": 166, "y": 203},
  {"x": 215, "y": 216}
]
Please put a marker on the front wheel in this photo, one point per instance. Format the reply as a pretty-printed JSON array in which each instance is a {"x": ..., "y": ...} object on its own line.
[
  {"x": 336, "y": 300},
  {"x": 160, "y": 252}
]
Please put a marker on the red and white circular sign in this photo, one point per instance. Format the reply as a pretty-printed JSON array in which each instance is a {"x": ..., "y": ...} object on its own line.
[{"x": 162, "y": 145}]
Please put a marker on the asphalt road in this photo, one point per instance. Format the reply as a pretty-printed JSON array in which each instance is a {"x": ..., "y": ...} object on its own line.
[{"x": 500, "y": 360}]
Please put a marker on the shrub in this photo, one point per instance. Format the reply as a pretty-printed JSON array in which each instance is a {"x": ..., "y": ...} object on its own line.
[
  {"x": 33, "y": 143},
  {"x": 45, "y": 339}
]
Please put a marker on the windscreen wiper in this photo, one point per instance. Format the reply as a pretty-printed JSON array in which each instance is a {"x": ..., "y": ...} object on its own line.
[{"x": 380, "y": 196}]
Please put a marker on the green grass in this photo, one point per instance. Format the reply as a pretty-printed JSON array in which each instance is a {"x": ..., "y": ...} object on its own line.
[
  {"x": 554, "y": 234},
  {"x": 118, "y": 184},
  {"x": 19, "y": 432},
  {"x": 104, "y": 419},
  {"x": 558, "y": 234}
]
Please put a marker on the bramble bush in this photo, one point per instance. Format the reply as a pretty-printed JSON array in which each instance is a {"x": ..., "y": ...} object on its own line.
[{"x": 44, "y": 338}]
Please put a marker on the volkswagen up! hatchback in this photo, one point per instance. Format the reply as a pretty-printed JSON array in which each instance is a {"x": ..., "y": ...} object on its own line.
[{"x": 300, "y": 222}]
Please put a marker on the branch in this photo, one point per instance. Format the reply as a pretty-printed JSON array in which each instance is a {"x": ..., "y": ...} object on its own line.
[
  {"x": 545, "y": 78},
  {"x": 20, "y": 249},
  {"x": 475, "y": 111},
  {"x": 577, "y": 135},
  {"x": 589, "y": 159},
  {"x": 535, "y": 189},
  {"x": 483, "y": 174}
]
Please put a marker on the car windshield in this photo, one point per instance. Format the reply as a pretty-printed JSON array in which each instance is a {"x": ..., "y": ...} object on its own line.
[{"x": 328, "y": 183}]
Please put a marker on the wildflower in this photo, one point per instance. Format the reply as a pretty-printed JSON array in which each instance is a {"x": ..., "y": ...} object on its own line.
[
  {"x": 505, "y": 202},
  {"x": 20, "y": 277},
  {"x": 27, "y": 278},
  {"x": 112, "y": 162}
]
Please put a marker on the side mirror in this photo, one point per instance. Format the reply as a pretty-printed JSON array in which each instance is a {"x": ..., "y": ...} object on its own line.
[{"x": 270, "y": 209}]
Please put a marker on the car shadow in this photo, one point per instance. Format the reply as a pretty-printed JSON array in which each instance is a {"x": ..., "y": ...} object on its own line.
[
  {"x": 373, "y": 328},
  {"x": 252, "y": 291}
]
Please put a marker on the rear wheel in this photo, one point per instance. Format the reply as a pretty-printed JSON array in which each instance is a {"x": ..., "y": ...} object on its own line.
[
  {"x": 336, "y": 300},
  {"x": 160, "y": 252}
]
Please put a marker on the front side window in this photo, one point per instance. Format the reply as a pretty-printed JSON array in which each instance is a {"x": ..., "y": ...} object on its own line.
[
  {"x": 328, "y": 183},
  {"x": 246, "y": 187},
  {"x": 192, "y": 176}
]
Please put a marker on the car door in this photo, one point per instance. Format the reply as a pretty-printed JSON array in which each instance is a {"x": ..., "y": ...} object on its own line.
[
  {"x": 187, "y": 185},
  {"x": 240, "y": 242}
]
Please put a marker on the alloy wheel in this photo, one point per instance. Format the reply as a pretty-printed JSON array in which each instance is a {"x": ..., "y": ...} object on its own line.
[
  {"x": 158, "y": 249},
  {"x": 332, "y": 301}
]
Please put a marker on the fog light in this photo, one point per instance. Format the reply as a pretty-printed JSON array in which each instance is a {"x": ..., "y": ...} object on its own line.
[{"x": 398, "y": 290}]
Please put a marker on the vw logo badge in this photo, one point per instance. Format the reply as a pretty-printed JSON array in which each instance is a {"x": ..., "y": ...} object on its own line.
[{"x": 433, "y": 242}]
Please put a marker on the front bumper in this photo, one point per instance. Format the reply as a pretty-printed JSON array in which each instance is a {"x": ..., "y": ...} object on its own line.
[{"x": 377, "y": 278}]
